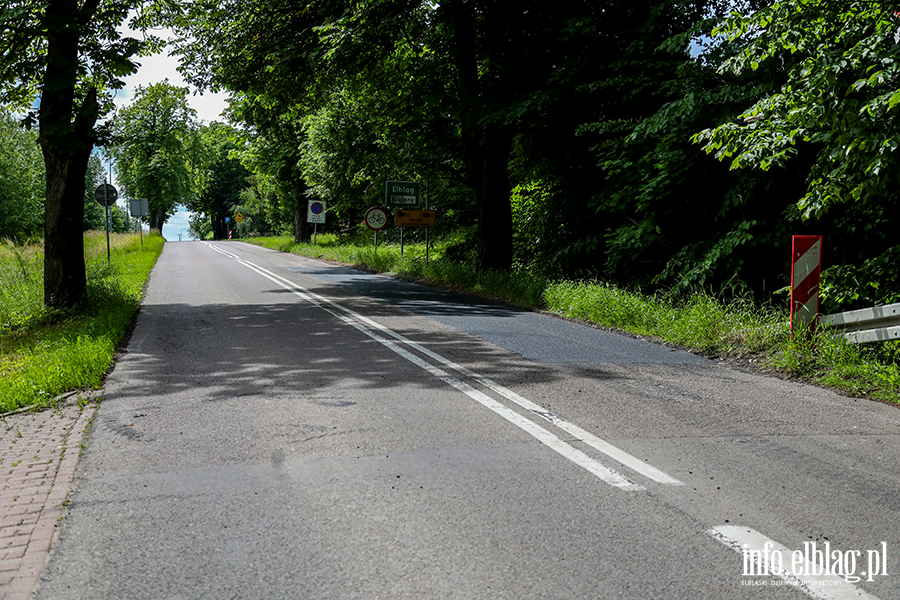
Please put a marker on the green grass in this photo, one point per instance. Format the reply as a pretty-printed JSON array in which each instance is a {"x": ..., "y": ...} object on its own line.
[
  {"x": 736, "y": 330},
  {"x": 700, "y": 321},
  {"x": 44, "y": 353}
]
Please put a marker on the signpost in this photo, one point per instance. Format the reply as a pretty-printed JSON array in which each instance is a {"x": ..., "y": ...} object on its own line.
[
  {"x": 401, "y": 194},
  {"x": 106, "y": 195},
  {"x": 415, "y": 218},
  {"x": 376, "y": 219},
  {"x": 140, "y": 207},
  {"x": 315, "y": 214}
]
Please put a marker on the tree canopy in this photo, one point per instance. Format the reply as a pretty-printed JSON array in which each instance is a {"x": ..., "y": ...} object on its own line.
[
  {"x": 841, "y": 96},
  {"x": 833, "y": 119},
  {"x": 21, "y": 181},
  {"x": 157, "y": 150},
  {"x": 667, "y": 144}
]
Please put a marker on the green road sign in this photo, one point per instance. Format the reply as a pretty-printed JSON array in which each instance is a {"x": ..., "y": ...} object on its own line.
[{"x": 401, "y": 194}]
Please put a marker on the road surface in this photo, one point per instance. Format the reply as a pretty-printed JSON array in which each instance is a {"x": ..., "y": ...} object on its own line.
[{"x": 284, "y": 428}]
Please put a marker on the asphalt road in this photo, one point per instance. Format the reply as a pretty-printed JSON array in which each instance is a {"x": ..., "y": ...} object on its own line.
[{"x": 284, "y": 428}]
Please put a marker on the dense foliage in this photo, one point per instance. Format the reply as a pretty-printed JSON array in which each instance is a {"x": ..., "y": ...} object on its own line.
[
  {"x": 838, "y": 105},
  {"x": 157, "y": 150},
  {"x": 664, "y": 144},
  {"x": 561, "y": 139},
  {"x": 21, "y": 181}
]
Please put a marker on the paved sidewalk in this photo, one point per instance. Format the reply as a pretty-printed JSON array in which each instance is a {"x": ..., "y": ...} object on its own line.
[{"x": 38, "y": 455}]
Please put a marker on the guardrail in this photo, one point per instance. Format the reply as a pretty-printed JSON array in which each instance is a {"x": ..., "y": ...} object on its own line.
[{"x": 878, "y": 324}]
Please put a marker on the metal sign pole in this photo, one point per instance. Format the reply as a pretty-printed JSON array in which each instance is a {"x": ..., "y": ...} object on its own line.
[
  {"x": 106, "y": 203},
  {"x": 137, "y": 220}
]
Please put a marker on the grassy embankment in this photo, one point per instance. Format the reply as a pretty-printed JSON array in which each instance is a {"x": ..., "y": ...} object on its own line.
[
  {"x": 44, "y": 353},
  {"x": 736, "y": 330}
]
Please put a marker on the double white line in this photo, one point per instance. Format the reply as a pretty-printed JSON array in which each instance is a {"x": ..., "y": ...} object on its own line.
[
  {"x": 737, "y": 537},
  {"x": 402, "y": 346}
]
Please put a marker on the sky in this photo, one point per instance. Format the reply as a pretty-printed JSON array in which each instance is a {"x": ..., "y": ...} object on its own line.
[{"x": 209, "y": 107}]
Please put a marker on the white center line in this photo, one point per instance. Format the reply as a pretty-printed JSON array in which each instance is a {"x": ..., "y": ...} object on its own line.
[
  {"x": 366, "y": 326},
  {"x": 757, "y": 549}
]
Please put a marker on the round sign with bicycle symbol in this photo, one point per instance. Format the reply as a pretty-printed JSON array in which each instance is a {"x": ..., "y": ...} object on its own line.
[{"x": 376, "y": 218}]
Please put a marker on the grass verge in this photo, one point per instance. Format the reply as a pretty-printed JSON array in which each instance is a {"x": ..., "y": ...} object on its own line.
[
  {"x": 736, "y": 330},
  {"x": 45, "y": 353}
]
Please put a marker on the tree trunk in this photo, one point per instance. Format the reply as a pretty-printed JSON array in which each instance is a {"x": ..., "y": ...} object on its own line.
[
  {"x": 491, "y": 179},
  {"x": 67, "y": 138},
  {"x": 486, "y": 147},
  {"x": 302, "y": 233},
  {"x": 64, "y": 271},
  {"x": 155, "y": 220}
]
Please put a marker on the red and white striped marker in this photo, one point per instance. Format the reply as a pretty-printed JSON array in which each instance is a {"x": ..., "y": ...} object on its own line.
[
  {"x": 806, "y": 260},
  {"x": 229, "y": 234}
]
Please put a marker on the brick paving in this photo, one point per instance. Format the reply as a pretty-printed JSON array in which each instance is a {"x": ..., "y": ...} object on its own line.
[{"x": 38, "y": 455}]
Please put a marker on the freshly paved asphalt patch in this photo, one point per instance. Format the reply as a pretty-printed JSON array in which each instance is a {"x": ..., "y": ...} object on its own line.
[{"x": 533, "y": 336}]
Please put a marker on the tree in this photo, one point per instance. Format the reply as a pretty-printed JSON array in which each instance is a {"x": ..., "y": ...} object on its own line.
[
  {"x": 272, "y": 155},
  {"x": 157, "y": 150},
  {"x": 21, "y": 181},
  {"x": 492, "y": 67},
  {"x": 842, "y": 95},
  {"x": 838, "y": 105},
  {"x": 225, "y": 176},
  {"x": 489, "y": 68},
  {"x": 70, "y": 55}
]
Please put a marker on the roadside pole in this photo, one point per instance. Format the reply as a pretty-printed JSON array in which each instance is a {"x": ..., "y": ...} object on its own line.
[
  {"x": 106, "y": 204},
  {"x": 315, "y": 214},
  {"x": 106, "y": 194},
  {"x": 376, "y": 219},
  {"x": 140, "y": 207},
  {"x": 108, "y": 221},
  {"x": 806, "y": 266}
]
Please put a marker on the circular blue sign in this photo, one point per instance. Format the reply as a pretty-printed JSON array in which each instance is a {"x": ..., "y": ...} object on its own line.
[{"x": 316, "y": 208}]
